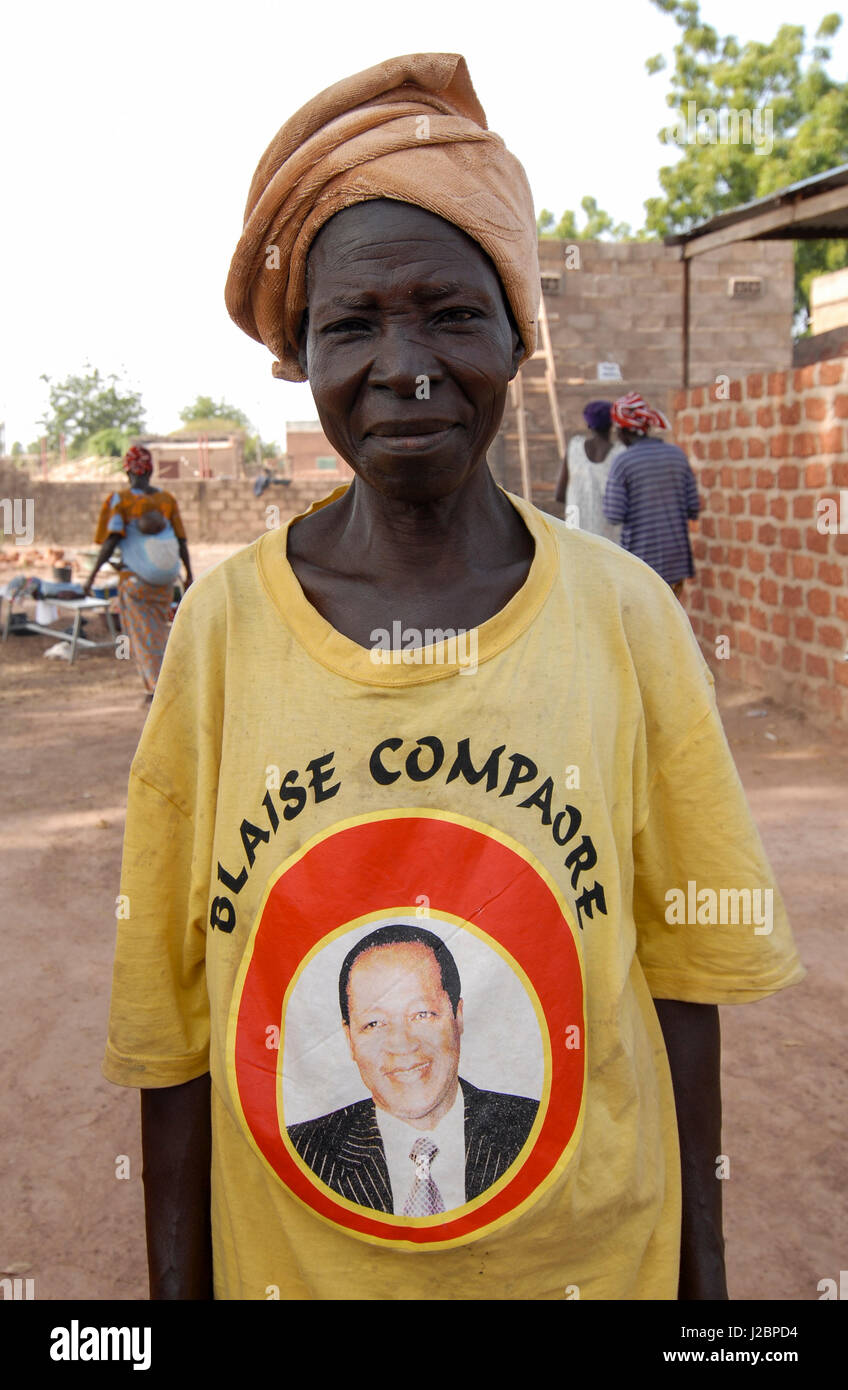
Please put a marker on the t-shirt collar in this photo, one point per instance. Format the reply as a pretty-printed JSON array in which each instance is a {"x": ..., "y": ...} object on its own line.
[{"x": 432, "y": 662}]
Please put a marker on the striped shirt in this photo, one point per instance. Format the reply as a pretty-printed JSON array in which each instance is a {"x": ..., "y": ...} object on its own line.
[{"x": 652, "y": 491}]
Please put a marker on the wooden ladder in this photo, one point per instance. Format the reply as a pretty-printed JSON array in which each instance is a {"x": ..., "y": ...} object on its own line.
[{"x": 544, "y": 353}]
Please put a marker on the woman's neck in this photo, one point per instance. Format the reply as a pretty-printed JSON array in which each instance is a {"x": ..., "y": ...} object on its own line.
[{"x": 475, "y": 527}]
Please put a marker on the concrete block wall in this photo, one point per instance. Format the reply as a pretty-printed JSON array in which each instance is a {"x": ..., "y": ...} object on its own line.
[
  {"x": 770, "y": 577},
  {"x": 624, "y": 302},
  {"x": 214, "y": 511}
]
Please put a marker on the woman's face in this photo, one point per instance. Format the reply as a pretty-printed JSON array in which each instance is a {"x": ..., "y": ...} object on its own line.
[{"x": 408, "y": 347}]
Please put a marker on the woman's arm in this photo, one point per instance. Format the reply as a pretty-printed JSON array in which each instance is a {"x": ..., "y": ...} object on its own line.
[
  {"x": 106, "y": 549},
  {"x": 693, "y": 1043},
  {"x": 183, "y": 544},
  {"x": 176, "y": 1142}
]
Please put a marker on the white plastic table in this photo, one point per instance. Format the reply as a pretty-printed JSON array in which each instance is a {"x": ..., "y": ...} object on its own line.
[{"x": 80, "y": 607}]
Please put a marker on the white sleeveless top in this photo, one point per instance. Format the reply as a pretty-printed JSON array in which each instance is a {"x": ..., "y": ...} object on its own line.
[{"x": 586, "y": 484}]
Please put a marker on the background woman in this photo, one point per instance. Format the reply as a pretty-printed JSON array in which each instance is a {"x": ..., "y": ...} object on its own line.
[
  {"x": 652, "y": 493},
  {"x": 146, "y": 523},
  {"x": 585, "y": 470}
]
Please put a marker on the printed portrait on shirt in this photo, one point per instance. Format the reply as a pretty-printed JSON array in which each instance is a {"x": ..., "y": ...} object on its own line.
[{"x": 413, "y": 1066}]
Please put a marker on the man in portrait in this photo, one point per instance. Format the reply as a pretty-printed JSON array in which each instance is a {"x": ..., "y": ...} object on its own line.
[{"x": 427, "y": 1141}]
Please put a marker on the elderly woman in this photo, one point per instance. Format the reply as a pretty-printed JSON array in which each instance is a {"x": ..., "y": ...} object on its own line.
[
  {"x": 146, "y": 523},
  {"x": 328, "y": 802}
]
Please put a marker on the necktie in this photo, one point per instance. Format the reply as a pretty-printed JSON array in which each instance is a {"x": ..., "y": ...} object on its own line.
[{"x": 424, "y": 1198}]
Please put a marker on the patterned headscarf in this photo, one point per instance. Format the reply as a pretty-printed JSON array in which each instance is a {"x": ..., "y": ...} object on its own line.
[
  {"x": 597, "y": 415},
  {"x": 632, "y": 412},
  {"x": 138, "y": 460},
  {"x": 409, "y": 129}
]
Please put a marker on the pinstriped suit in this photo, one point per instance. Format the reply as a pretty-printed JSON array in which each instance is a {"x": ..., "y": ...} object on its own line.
[{"x": 345, "y": 1150}]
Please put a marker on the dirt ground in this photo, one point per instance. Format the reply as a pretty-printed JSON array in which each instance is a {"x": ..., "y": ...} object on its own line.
[{"x": 75, "y": 1226}]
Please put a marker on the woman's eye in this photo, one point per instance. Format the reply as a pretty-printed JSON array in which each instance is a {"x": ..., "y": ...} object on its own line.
[
  {"x": 347, "y": 326},
  {"x": 457, "y": 316}
]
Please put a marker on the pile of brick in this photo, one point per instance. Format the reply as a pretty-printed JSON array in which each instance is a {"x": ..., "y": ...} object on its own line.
[{"x": 33, "y": 558}]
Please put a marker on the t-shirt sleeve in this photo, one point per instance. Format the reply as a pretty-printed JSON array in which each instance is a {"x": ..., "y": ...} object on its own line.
[
  {"x": 111, "y": 519},
  {"x": 159, "y": 1019},
  {"x": 711, "y": 924}
]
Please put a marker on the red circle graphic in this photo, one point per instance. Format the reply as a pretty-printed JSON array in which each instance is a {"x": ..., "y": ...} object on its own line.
[{"x": 370, "y": 866}]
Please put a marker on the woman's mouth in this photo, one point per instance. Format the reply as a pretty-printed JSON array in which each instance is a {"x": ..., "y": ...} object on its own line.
[{"x": 411, "y": 434}]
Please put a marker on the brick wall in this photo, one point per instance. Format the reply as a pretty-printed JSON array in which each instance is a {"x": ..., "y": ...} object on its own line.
[{"x": 770, "y": 579}]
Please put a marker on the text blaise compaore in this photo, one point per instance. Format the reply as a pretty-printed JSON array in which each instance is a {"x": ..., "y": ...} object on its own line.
[{"x": 507, "y": 774}]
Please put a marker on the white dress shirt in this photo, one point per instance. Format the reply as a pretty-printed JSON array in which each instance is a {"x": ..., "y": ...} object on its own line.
[{"x": 447, "y": 1169}]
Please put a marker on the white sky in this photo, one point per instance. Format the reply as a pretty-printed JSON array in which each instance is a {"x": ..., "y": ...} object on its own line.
[{"x": 130, "y": 134}]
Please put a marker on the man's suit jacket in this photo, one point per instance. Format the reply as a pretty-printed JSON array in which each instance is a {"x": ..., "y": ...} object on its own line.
[{"x": 345, "y": 1149}]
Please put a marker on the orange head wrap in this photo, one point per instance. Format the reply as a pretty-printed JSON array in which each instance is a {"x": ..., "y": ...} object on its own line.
[{"x": 410, "y": 129}]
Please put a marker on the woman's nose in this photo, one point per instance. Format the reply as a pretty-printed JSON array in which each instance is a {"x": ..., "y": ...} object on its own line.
[{"x": 403, "y": 363}]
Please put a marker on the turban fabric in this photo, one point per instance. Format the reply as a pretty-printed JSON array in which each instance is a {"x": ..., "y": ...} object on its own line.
[
  {"x": 409, "y": 129},
  {"x": 632, "y": 412},
  {"x": 138, "y": 460},
  {"x": 597, "y": 415}
]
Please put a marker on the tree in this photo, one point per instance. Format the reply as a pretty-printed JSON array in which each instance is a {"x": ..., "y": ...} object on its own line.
[
  {"x": 80, "y": 406},
  {"x": 545, "y": 222},
  {"x": 598, "y": 224},
  {"x": 108, "y": 443},
  {"x": 206, "y": 412},
  {"x": 749, "y": 118}
]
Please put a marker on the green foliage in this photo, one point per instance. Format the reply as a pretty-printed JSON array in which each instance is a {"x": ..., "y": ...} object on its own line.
[
  {"x": 268, "y": 449},
  {"x": 17, "y": 449},
  {"x": 108, "y": 443},
  {"x": 545, "y": 222},
  {"x": 207, "y": 415},
  {"x": 801, "y": 129},
  {"x": 211, "y": 424},
  {"x": 81, "y": 406},
  {"x": 598, "y": 224},
  {"x": 779, "y": 118}
]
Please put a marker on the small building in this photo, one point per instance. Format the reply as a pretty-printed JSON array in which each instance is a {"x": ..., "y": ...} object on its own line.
[
  {"x": 311, "y": 456},
  {"x": 190, "y": 454}
]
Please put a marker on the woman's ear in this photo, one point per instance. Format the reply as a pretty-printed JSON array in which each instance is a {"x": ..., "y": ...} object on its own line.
[
  {"x": 517, "y": 344},
  {"x": 301, "y": 342},
  {"x": 517, "y": 352}
]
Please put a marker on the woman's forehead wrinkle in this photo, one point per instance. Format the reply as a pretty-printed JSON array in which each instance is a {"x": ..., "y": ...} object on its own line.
[{"x": 349, "y": 244}]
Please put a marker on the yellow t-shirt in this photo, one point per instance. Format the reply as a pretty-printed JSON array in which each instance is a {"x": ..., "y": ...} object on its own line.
[{"x": 551, "y": 798}]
